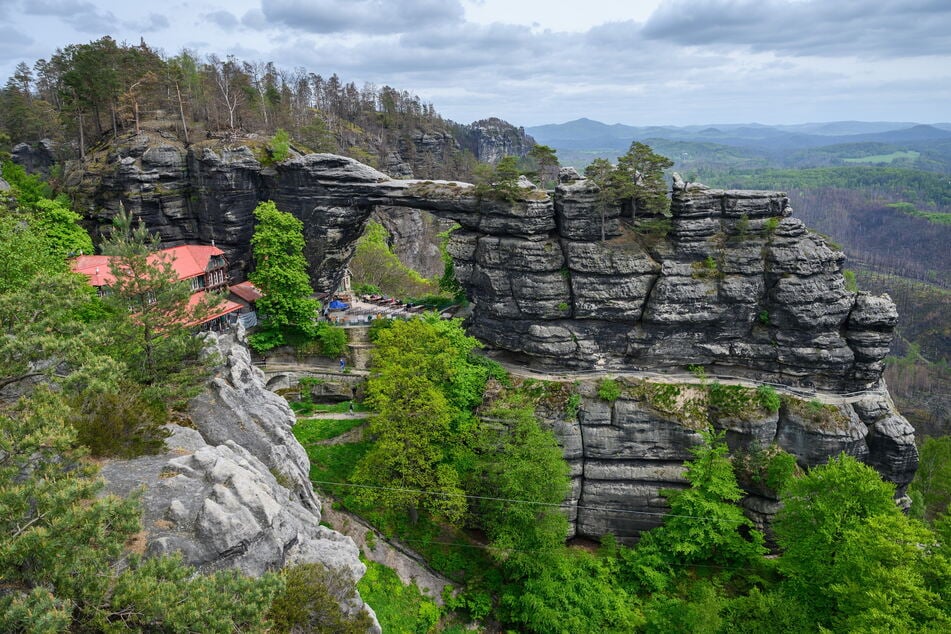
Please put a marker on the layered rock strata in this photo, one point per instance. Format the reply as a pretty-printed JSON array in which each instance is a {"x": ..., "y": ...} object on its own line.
[
  {"x": 624, "y": 453},
  {"x": 730, "y": 281}
]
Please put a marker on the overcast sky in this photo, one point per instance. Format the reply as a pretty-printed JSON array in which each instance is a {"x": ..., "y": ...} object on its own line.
[{"x": 639, "y": 62}]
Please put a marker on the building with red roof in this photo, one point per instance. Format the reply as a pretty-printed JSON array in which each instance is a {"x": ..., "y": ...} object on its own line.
[{"x": 203, "y": 266}]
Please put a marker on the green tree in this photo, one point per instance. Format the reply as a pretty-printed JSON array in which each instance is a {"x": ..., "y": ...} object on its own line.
[
  {"x": 705, "y": 524},
  {"x": 521, "y": 476},
  {"x": 423, "y": 388},
  {"x": 610, "y": 185},
  {"x": 151, "y": 305},
  {"x": 643, "y": 171},
  {"x": 547, "y": 162},
  {"x": 933, "y": 479},
  {"x": 409, "y": 458},
  {"x": 499, "y": 182},
  {"x": 280, "y": 272},
  {"x": 819, "y": 512}
]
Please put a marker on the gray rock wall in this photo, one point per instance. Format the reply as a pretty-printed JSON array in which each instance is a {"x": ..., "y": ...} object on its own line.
[
  {"x": 233, "y": 490},
  {"x": 736, "y": 284},
  {"x": 623, "y": 454}
]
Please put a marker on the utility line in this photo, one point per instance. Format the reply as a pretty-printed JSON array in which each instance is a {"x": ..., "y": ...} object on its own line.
[{"x": 560, "y": 505}]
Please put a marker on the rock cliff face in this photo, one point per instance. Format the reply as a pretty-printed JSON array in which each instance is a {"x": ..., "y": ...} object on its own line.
[
  {"x": 623, "y": 454},
  {"x": 233, "y": 492},
  {"x": 730, "y": 282},
  {"x": 734, "y": 284}
]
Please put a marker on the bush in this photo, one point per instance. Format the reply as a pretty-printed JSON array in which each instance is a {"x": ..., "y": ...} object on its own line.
[
  {"x": 768, "y": 398},
  {"x": 120, "y": 423},
  {"x": 311, "y": 602},
  {"x": 609, "y": 390},
  {"x": 280, "y": 146},
  {"x": 333, "y": 339}
]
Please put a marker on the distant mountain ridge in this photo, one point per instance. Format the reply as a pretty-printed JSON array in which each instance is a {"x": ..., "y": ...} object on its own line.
[{"x": 581, "y": 140}]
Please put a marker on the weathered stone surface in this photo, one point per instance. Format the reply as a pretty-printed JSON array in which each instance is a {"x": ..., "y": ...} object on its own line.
[
  {"x": 234, "y": 491},
  {"x": 735, "y": 283},
  {"x": 35, "y": 159},
  {"x": 813, "y": 442}
]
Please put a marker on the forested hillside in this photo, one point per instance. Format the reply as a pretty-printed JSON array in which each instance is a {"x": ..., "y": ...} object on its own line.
[{"x": 87, "y": 93}]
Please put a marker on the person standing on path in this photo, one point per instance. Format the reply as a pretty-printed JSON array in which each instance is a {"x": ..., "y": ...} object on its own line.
[{"x": 343, "y": 363}]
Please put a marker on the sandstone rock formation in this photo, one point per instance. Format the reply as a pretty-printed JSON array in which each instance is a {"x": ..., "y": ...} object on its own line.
[
  {"x": 730, "y": 282},
  {"x": 735, "y": 284},
  {"x": 233, "y": 492}
]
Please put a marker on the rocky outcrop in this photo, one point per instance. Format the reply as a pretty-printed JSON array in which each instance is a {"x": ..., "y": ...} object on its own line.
[
  {"x": 493, "y": 139},
  {"x": 730, "y": 281},
  {"x": 233, "y": 492},
  {"x": 624, "y": 453},
  {"x": 35, "y": 159}
]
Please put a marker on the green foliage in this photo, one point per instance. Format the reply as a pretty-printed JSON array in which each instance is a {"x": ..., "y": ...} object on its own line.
[
  {"x": 818, "y": 510},
  {"x": 163, "y": 593},
  {"x": 333, "y": 339},
  {"x": 768, "y": 398},
  {"x": 312, "y": 600},
  {"x": 574, "y": 592},
  {"x": 375, "y": 264},
  {"x": 29, "y": 189},
  {"x": 609, "y": 389},
  {"x": 572, "y": 406},
  {"x": 771, "y": 225},
  {"x": 850, "y": 284},
  {"x": 280, "y": 272},
  {"x": 706, "y": 269},
  {"x": 398, "y": 607},
  {"x": 378, "y": 326},
  {"x": 644, "y": 170},
  {"x": 280, "y": 146},
  {"x": 314, "y": 430},
  {"x": 933, "y": 478},
  {"x": 705, "y": 525},
  {"x": 499, "y": 182},
  {"x": 546, "y": 162},
  {"x": 769, "y": 467},
  {"x": 119, "y": 421},
  {"x": 448, "y": 282},
  {"x": 763, "y": 317},
  {"x": 150, "y": 306},
  {"x": 521, "y": 476},
  {"x": 423, "y": 389}
]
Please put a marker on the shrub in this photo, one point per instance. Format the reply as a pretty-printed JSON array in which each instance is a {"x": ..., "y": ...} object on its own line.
[
  {"x": 280, "y": 146},
  {"x": 768, "y": 398},
  {"x": 120, "y": 423},
  {"x": 609, "y": 390},
  {"x": 763, "y": 317},
  {"x": 311, "y": 602},
  {"x": 333, "y": 339}
]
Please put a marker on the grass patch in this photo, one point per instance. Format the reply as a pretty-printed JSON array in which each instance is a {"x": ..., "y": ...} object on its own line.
[
  {"x": 817, "y": 414},
  {"x": 303, "y": 408},
  {"x": 313, "y": 430},
  {"x": 334, "y": 463}
]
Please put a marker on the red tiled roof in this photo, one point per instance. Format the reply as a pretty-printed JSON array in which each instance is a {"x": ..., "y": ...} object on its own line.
[
  {"x": 187, "y": 260},
  {"x": 225, "y": 307},
  {"x": 246, "y": 291}
]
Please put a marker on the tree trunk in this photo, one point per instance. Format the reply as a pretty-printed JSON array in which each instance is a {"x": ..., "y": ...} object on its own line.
[
  {"x": 413, "y": 514},
  {"x": 181, "y": 110}
]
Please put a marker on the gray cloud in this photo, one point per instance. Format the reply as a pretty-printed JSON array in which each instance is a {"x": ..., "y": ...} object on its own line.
[
  {"x": 224, "y": 19},
  {"x": 362, "y": 16},
  {"x": 873, "y": 28},
  {"x": 254, "y": 19},
  {"x": 82, "y": 16},
  {"x": 12, "y": 42},
  {"x": 155, "y": 22}
]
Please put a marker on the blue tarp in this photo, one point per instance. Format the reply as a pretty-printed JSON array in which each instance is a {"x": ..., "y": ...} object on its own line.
[{"x": 338, "y": 305}]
